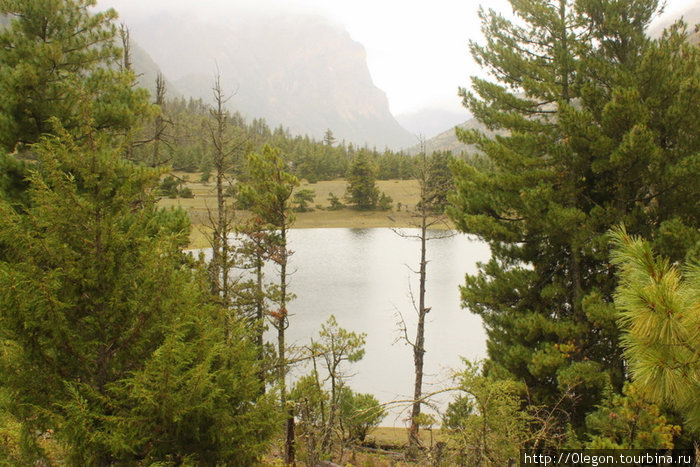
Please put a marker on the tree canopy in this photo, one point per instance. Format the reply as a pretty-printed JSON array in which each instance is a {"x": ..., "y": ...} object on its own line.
[
  {"x": 597, "y": 125},
  {"x": 98, "y": 305},
  {"x": 59, "y": 60}
]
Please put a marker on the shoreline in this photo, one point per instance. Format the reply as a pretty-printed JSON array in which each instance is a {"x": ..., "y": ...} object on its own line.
[{"x": 405, "y": 195}]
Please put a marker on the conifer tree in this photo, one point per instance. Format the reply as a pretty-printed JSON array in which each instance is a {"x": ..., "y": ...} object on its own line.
[
  {"x": 335, "y": 346},
  {"x": 58, "y": 59},
  {"x": 268, "y": 192},
  {"x": 594, "y": 129},
  {"x": 324, "y": 415},
  {"x": 629, "y": 421},
  {"x": 486, "y": 421},
  {"x": 362, "y": 191},
  {"x": 98, "y": 308}
]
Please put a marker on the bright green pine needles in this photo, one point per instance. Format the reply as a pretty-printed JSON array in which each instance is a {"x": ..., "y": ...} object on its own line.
[
  {"x": 660, "y": 315},
  {"x": 59, "y": 59},
  {"x": 268, "y": 192},
  {"x": 109, "y": 337}
]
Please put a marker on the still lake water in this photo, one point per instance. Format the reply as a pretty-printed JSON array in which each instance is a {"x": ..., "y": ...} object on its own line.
[{"x": 362, "y": 277}]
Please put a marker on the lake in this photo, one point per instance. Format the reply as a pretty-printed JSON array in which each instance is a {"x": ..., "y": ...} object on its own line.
[{"x": 362, "y": 277}]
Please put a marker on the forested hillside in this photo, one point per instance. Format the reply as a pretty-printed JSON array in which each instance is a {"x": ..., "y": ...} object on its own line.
[{"x": 187, "y": 145}]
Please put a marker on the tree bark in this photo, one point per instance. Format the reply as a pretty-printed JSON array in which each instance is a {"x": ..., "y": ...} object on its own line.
[{"x": 419, "y": 344}]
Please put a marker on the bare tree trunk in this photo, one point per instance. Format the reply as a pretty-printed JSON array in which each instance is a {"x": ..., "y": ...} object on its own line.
[
  {"x": 431, "y": 186},
  {"x": 332, "y": 412},
  {"x": 289, "y": 443},
  {"x": 221, "y": 261},
  {"x": 160, "y": 121},
  {"x": 259, "y": 315},
  {"x": 419, "y": 344},
  {"x": 127, "y": 66}
]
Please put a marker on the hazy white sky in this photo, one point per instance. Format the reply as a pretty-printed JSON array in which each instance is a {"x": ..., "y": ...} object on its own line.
[{"x": 417, "y": 50}]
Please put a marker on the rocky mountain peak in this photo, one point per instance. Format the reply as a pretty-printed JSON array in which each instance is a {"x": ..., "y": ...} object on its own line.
[{"x": 300, "y": 71}]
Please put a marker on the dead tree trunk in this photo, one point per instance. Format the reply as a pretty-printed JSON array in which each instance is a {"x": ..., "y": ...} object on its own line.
[
  {"x": 419, "y": 344},
  {"x": 221, "y": 254},
  {"x": 428, "y": 216}
]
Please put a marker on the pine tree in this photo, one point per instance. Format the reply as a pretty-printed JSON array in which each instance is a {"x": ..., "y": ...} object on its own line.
[
  {"x": 268, "y": 192},
  {"x": 60, "y": 60},
  {"x": 629, "y": 421},
  {"x": 324, "y": 414},
  {"x": 335, "y": 346},
  {"x": 98, "y": 307},
  {"x": 440, "y": 180},
  {"x": 592, "y": 131},
  {"x": 486, "y": 420},
  {"x": 660, "y": 317},
  {"x": 362, "y": 191}
]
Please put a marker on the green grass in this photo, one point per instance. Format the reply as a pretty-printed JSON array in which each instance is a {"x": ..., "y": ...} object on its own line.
[{"x": 405, "y": 192}]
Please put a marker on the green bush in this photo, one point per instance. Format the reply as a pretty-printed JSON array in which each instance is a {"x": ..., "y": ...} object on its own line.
[
  {"x": 335, "y": 203},
  {"x": 359, "y": 413},
  {"x": 385, "y": 202}
]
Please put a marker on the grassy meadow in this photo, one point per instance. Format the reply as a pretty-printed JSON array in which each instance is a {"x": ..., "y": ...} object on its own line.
[{"x": 405, "y": 195}]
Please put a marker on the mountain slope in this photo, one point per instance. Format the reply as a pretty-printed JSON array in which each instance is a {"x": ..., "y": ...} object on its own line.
[
  {"x": 429, "y": 122},
  {"x": 298, "y": 71},
  {"x": 447, "y": 140},
  {"x": 147, "y": 71}
]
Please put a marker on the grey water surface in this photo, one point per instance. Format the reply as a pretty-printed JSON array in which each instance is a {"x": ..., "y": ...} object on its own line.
[{"x": 364, "y": 278}]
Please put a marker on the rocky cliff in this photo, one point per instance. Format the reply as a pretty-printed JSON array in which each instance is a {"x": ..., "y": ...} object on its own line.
[{"x": 302, "y": 72}]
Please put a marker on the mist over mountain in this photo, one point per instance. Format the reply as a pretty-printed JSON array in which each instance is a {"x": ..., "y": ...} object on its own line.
[
  {"x": 147, "y": 71},
  {"x": 429, "y": 122},
  {"x": 299, "y": 71}
]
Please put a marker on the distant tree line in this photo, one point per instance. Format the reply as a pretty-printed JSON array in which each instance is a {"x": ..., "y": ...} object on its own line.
[{"x": 188, "y": 148}]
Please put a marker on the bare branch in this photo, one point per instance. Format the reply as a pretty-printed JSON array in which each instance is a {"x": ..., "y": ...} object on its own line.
[{"x": 401, "y": 323}]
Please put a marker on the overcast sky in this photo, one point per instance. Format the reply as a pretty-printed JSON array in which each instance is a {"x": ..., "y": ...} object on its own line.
[{"x": 417, "y": 50}]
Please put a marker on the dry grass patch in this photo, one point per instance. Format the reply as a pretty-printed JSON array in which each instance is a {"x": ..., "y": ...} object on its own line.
[
  {"x": 405, "y": 195},
  {"x": 398, "y": 437}
]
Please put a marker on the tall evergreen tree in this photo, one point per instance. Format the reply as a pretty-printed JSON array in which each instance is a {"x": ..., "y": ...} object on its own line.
[
  {"x": 98, "y": 309},
  {"x": 58, "y": 59},
  {"x": 593, "y": 132},
  {"x": 269, "y": 195},
  {"x": 362, "y": 191}
]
